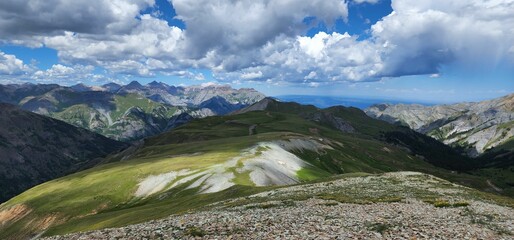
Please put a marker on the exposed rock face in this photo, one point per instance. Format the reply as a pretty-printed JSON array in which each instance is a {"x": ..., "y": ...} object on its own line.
[
  {"x": 35, "y": 149},
  {"x": 475, "y": 126},
  {"x": 193, "y": 95}
]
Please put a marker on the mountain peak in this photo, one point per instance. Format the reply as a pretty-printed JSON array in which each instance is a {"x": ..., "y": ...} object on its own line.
[
  {"x": 134, "y": 85},
  {"x": 259, "y": 106},
  {"x": 80, "y": 87}
]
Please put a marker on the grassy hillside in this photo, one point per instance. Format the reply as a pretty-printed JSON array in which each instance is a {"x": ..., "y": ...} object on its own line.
[
  {"x": 219, "y": 158},
  {"x": 124, "y": 117}
]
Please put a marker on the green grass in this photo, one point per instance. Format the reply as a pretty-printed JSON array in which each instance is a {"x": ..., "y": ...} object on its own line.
[
  {"x": 310, "y": 173},
  {"x": 86, "y": 116}
]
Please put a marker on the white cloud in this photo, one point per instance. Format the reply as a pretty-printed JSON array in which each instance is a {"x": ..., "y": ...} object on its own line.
[
  {"x": 69, "y": 74},
  {"x": 424, "y": 35},
  {"x": 259, "y": 40},
  {"x": 10, "y": 65},
  {"x": 312, "y": 75},
  {"x": 235, "y": 26},
  {"x": 417, "y": 38},
  {"x": 146, "y": 48},
  {"x": 25, "y": 19},
  {"x": 251, "y": 75},
  {"x": 366, "y": 1}
]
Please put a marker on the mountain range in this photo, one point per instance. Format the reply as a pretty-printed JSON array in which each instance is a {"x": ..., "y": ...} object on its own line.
[
  {"x": 218, "y": 159},
  {"x": 473, "y": 127},
  {"x": 127, "y": 112}
]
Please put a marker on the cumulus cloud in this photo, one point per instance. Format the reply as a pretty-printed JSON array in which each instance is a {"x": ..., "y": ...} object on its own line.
[
  {"x": 417, "y": 38},
  {"x": 424, "y": 35},
  {"x": 235, "y": 26},
  {"x": 69, "y": 74},
  {"x": 29, "y": 18},
  {"x": 147, "y": 47},
  {"x": 10, "y": 65},
  {"x": 366, "y": 1},
  {"x": 258, "y": 40},
  {"x": 251, "y": 75}
]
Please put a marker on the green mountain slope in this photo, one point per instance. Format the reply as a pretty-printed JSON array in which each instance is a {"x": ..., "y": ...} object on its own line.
[
  {"x": 130, "y": 112},
  {"x": 208, "y": 160},
  {"x": 122, "y": 117}
]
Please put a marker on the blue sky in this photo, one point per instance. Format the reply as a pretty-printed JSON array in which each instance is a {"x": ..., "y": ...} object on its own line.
[{"x": 429, "y": 51}]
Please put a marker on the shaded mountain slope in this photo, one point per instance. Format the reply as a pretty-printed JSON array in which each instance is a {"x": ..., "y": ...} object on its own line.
[{"x": 35, "y": 149}]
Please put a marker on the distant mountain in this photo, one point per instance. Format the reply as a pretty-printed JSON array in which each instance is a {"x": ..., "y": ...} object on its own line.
[
  {"x": 193, "y": 95},
  {"x": 35, "y": 149},
  {"x": 14, "y": 93},
  {"x": 127, "y": 112},
  {"x": 111, "y": 87},
  {"x": 476, "y": 127},
  {"x": 220, "y": 106}
]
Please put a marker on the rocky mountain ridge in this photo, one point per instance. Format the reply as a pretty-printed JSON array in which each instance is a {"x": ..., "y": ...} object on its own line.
[
  {"x": 129, "y": 112},
  {"x": 475, "y": 127}
]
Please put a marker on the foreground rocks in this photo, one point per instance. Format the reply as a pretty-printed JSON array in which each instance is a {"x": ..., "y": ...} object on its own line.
[
  {"x": 325, "y": 219},
  {"x": 323, "y": 211}
]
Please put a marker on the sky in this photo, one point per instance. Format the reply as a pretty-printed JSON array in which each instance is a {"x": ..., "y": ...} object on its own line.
[{"x": 436, "y": 51}]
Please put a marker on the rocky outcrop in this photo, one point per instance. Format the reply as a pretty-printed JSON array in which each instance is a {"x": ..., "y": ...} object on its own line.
[{"x": 476, "y": 127}]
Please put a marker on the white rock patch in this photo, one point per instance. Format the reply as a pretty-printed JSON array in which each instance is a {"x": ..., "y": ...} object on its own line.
[
  {"x": 155, "y": 183},
  {"x": 268, "y": 163},
  {"x": 273, "y": 166}
]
